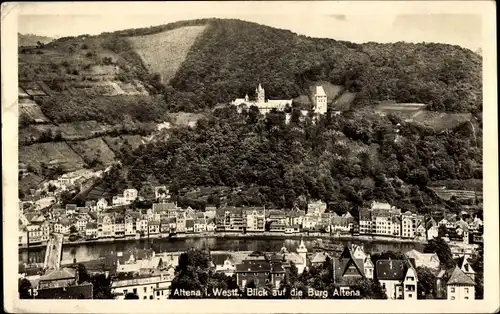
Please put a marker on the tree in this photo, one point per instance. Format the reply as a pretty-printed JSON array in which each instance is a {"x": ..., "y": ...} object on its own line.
[
  {"x": 73, "y": 229},
  {"x": 477, "y": 265},
  {"x": 192, "y": 273},
  {"x": 102, "y": 287},
  {"x": 426, "y": 283},
  {"x": 83, "y": 275},
  {"x": 369, "y": 289},
  {"x": 24, "y": 289},
  {"x": 441, "y": 248},
  {"x": 131, "y": 296},
  {"x": 52, "y": 188},
  {"x": 442, "y": 231}
]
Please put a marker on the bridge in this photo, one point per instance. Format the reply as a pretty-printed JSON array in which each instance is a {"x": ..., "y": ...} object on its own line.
[{"x": 53, "y": 253}]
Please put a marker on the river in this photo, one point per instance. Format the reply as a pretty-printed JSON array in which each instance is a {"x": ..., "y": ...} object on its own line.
[{"x": 92, "y": 251}]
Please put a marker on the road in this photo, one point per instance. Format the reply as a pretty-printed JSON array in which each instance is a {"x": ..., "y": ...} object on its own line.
[{"x": 54, "y": 251}]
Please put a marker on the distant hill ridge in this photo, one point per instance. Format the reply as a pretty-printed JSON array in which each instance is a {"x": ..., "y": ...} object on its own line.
[{"x": 32, "y": 39}]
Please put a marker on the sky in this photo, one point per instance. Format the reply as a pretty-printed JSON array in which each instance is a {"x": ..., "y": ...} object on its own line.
[{"x": 315, "y": 20}]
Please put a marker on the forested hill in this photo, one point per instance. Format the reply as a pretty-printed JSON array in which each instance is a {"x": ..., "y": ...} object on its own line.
[
  {"x": 231, "y": 57},
  {"x": 198, "y": 64}
]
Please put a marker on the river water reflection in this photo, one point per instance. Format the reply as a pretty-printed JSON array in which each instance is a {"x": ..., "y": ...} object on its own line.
[{"x": 92, "y": 251}]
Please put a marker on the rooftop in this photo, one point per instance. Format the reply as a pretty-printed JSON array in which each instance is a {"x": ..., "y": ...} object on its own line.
[{"x": 458, "y": 277}]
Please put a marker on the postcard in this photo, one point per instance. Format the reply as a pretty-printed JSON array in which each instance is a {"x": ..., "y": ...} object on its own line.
[{"x": 250, "y": 157}]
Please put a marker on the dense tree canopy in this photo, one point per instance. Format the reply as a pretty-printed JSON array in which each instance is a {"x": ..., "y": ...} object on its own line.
[{"x": 345, "y": 160}]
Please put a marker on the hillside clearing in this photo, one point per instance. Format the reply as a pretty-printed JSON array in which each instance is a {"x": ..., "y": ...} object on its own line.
[
  {"x": 185, "y": 118},
  {"x": 442, "y": 121},
  {"x": 164, "y": 52}
]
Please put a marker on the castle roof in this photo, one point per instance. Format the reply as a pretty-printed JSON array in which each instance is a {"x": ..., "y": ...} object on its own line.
[{"x": 320, "y": 91}]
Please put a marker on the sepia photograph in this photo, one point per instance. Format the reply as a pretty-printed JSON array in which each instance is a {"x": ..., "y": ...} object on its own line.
[{"x": 240, "y": 153}]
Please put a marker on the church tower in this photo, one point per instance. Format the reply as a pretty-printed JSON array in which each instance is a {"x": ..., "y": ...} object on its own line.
[
  {"x": 261, "y": 94},
  {"x": 320, "y": 100},
  {"x": 302, "y": 251}
]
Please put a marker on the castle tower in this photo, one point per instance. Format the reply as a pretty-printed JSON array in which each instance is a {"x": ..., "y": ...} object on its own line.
[
  {"x": 320, "y": 100},
  {"x": 302, "y": 250},
  {"x": 261, "y": 94}
]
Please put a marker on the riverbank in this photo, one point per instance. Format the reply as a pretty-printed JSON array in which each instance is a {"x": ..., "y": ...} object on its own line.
[{"x": 237, "y": 235}]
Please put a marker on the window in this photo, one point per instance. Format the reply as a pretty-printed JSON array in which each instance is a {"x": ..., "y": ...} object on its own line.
[
  {"x": 145, "y": 297},
  {"x": 151, "y": 297},
  {"x": 466, "y": 298},
  {"x": 452, "y": 290},
  {"x": 452, "y": 298},
  {"x": 145, "y": 289},
  {"x": 409, "y": 295},
  {"x": 135, "y": 290},
  {"x": 125, "y": 292},
  {"x": 157, "y": 293},
  {"x": 466, "y": 290}
]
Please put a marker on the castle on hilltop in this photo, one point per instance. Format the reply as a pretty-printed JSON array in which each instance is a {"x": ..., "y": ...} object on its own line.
[{"x": 266, "y": 105}]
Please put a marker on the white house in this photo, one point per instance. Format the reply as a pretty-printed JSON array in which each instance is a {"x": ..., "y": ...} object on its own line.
[
  {"x": 101, "y": 204},
  {"x": 228, "y": 268},
  {"x": 91, "y": 230},
  {"x": 460, "y": 286},
  {"x": 130, "y": 195},
  {"x": 153, "y": 287},
  {"x": 398, "y": 278}
]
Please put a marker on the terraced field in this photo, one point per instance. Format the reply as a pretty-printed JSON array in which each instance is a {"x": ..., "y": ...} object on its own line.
[
  {"x": 56, "y": 152},
  {"x": 32, "y": 110},
  {"x": 94, "y": 148},
  {"x": 83, "y": 129},
  {"x": 164, "y": 52},
  {"x": 459, "y": 194}
]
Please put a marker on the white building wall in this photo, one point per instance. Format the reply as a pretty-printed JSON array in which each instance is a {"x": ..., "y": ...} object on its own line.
[{"x": 460, "y": 292}]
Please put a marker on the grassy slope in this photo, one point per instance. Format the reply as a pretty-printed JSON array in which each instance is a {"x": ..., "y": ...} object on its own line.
[{"x": 164, "y": 52}]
